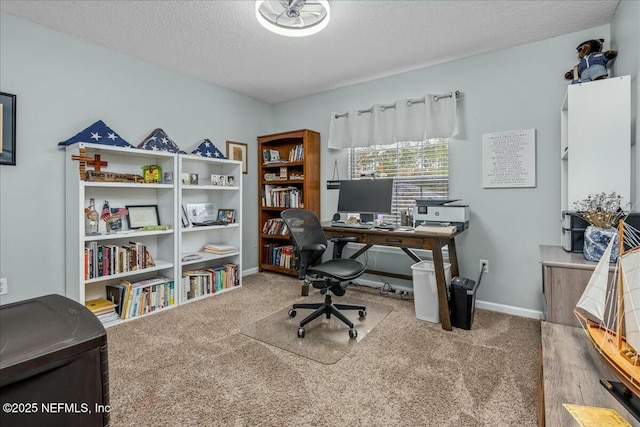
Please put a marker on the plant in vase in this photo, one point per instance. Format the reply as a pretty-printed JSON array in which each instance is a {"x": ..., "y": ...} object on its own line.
[{"x": 602, "y": 211}]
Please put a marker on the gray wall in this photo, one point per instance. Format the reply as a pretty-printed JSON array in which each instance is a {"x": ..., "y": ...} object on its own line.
[
  {"x": 64, "y": 84},
  {"x": 625, "y": 34},
  {"x": 518, "y": 88}
]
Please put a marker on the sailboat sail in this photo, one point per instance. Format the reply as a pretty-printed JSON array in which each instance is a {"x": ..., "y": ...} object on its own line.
[
  {"x": 593, "y": 298},
  {"x": 630, "y": 264}
]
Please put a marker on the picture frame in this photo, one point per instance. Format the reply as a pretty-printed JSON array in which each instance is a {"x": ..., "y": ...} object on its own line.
[
  {"x": 7, "y": 129},
  {"x": 143, "y": 216},
  {"x": 238, "y": 151},
  {"x": 227, "y": 215},
  {"x": 184, "y": 218}
]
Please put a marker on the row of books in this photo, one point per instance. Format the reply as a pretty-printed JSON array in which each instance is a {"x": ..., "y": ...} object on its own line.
[
  {"x": 282, "y": 256},
  {"x": 198, "y": 283},
  {"x": 297, "y": 153},
  {"x": 275, "y": 226},
  {"x": 105, "y": 260},
  {"x": 141, "y": 297},
  {"x": 282, "y": 197}
]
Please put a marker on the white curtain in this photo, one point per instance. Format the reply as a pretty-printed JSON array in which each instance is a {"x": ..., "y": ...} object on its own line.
[{"x": 432, "y": 116}]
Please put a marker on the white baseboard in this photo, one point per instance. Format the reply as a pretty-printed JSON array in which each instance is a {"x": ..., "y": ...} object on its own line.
[
  {"x": 484, "y": 305},
  {"x": 509, "y": 309},
  {"x": 249, "y": 271}
]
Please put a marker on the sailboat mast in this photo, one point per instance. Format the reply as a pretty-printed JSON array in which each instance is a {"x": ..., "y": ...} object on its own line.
[{"x": 620, "y": 290}]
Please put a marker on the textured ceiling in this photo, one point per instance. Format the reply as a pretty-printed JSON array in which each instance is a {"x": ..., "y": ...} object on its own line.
[{"x": 222, "y": 43}]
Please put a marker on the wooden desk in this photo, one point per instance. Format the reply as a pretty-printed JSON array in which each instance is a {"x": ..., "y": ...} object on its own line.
[{"x": 407, "y": 240}]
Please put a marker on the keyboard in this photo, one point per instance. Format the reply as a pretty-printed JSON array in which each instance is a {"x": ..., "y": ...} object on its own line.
[{"x": 347, "y": 225}]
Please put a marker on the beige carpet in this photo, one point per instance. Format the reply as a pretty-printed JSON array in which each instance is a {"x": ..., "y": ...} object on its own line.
[
  {"x": 326, "y": 340},
  {"x": 190, "y": 366}
]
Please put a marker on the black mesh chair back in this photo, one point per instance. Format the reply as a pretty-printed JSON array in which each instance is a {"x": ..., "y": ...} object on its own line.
[
  {"x": 332, "y": 276},
  {"x": 305, "y": 232}
]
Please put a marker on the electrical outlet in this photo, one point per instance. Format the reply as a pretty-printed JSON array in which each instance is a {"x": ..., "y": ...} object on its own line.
[
  {"x": 484, "y": 265},
  {"x": 4, "y": 288}
]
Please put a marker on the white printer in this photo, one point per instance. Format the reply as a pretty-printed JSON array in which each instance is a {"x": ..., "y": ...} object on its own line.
[{"x": 441, "y": 212}]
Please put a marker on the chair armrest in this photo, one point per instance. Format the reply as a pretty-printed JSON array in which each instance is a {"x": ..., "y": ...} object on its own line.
[
  {"x": 316, "y": 247},
  {"x": 306, "y": 256},
  {"x": 340, "y": 242}
]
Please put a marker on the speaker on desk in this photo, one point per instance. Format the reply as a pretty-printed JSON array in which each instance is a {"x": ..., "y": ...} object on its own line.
[{"x": 336, "y": 216}]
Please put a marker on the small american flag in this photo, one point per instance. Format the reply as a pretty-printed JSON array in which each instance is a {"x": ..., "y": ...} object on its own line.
[{"x": 105, "y": 211}]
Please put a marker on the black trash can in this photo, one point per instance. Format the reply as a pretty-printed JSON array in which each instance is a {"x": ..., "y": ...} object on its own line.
[
  {"x": 462, "y": 302},
  {"x": 53, "y": 364}
]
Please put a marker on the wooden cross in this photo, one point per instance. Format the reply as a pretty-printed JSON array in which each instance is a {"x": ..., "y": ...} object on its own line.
[
  {"x": 96, "y": 163},
  {"x": 83, "y": 159}
]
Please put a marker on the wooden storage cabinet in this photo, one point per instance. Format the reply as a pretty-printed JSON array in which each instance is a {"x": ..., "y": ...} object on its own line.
[
  {"x": 564, "y": 277},
  {"x": 209, "y": 273},
  {"x": 161, "y": 244},
  {"x": 293, "y": 181}
]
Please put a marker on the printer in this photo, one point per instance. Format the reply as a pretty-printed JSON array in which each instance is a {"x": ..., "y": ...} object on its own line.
[{"x": 441, "y": 212}]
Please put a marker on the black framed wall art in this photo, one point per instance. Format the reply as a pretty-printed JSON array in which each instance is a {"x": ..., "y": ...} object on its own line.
[{"x": 7, "y": 129}]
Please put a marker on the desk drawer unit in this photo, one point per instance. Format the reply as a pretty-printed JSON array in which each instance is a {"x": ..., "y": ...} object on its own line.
[
  {"x": 331, "y": 234},
  {"x": 408, "y": 242}
]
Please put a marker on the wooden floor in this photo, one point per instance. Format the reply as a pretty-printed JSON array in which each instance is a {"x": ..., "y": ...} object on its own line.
[{"x": 571, "y": 374}]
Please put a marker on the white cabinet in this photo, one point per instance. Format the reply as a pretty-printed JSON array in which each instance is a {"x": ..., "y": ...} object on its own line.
[
  {"x": 210, "y": 189},
  {"x": 88, "y": 274},
  {"x": 596, "y": 140}
]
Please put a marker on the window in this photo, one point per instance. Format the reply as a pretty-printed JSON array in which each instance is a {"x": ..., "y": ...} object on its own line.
[{"x": 420, "y": 170}]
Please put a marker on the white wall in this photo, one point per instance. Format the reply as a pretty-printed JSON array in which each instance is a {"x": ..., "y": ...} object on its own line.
[
  {"x": 518, "y": 88},
  {"x": 64, "y": 84}
]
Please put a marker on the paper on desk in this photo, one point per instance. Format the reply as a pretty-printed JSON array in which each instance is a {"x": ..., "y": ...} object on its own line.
[
  {"x": 437, "y": 229},
  {"x": 589, "y": 416}
]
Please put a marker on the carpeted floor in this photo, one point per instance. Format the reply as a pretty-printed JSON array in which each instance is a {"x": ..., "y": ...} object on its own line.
[{"x": 191, "y": 366}]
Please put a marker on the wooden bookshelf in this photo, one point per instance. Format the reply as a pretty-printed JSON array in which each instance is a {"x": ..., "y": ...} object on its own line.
[{"x": 293, "y": 181}]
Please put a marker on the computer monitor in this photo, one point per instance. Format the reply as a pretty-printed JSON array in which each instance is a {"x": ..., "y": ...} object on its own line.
[{"x": 366, "y": 196}]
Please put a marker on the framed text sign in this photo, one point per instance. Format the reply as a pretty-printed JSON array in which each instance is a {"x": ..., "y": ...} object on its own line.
[{"x": 509, "y": 159}]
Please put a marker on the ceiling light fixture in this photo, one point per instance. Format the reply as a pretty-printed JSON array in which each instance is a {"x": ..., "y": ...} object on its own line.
[{"x": 293, "y": 18}]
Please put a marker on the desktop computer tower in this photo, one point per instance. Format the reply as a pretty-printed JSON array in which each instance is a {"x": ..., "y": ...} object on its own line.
[
  {"x": 462, "y": 302},
  {"x": 53, "y": 364}
]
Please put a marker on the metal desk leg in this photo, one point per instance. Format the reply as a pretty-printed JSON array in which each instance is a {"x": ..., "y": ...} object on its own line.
[{"x": 441, "y": 283}]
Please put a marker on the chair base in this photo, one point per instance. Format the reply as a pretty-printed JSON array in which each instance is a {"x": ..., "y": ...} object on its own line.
[{"x": 328, "y": 308}]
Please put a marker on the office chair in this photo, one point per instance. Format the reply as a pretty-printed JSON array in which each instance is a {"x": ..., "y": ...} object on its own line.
[{"x": 333, "y": 276}]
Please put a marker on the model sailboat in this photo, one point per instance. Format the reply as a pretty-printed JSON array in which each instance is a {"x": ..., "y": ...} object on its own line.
[{"x": 611, "y": 315}]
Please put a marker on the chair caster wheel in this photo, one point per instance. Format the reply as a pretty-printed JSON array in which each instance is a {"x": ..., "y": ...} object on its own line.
[
  {"x": 292, "y": 313},
  {"x": 300, "y": 332},
  {"x": 362, "y": 314},
  {"x": 353, "y": 334}
]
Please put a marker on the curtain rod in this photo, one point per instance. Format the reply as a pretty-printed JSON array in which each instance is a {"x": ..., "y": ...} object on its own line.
[{"x": 410, "y": 102}]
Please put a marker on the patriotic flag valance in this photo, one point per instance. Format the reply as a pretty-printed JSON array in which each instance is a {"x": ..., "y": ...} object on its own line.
[{"x": 97, "y": 133}]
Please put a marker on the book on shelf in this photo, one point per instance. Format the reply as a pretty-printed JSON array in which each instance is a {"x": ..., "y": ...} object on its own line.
[
  {"x": 116, "y": 294},
  {"x": 100, "y": 306},
  {"x": 220, "y": 248}
]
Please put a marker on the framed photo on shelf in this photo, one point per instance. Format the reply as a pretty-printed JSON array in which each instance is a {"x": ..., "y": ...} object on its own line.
[
  {"x": 7, "y": 129},
  {"x": 238, "y": 151},
  {"x": 227, "y": 215},
  {"x": 184, "y": 218},
  {"x": 143, "y": 216}
]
